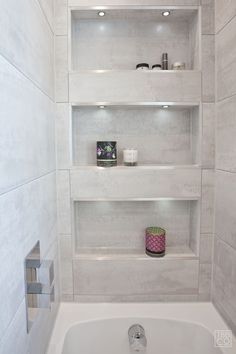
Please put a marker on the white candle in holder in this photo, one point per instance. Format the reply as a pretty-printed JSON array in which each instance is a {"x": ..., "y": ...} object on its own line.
[{"x": 130, "y": 157}]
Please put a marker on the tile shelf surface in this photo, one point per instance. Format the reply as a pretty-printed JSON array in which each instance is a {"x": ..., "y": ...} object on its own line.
[{"x": 184, "y": 252}]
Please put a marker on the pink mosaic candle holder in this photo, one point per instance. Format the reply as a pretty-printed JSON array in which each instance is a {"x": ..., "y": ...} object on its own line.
[{"x": 155, "y": 241}]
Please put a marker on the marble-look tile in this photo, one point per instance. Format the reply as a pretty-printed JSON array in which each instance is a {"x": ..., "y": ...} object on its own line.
[
  {"x": 225, "y": 222},
  {"x": 15, "y": 340},
  {"x": 61, "y": 69},
  {"x": 205, "y": 275},
  {"x": 225, "y": 10},
  {"x": 27, "y": 130},
  {"x": 206, "y": 248},
  {"x": 225, "y": 135},
  {"x": 27, "y": 41},
  {"x": 208, "y": 68},
  {"x": 208, "y": 135},
  {"x": 135, "y": 42},
  {"x": 208, "y": 16},
  {"x": 63, "y": 136},
  {"x": 48, "y": 9},
  {"x": 27, "y": 214},
  {"x": 118, "y": 86},
  {"x": 61, "y": 14},
  {"x": 132, "y": 2},
  {"x": 169, "y": 141},
  {"x": 207, "y": 202},
  {"x": 146, "y": 277},
  {"x": 63, "y": 202},
  {"x": 224, "y": 286},
  {"x": 67, "y": 298},
  {"x": 123, "y": 182},
  {"x": 226, "y": 61},
  {"x": 122, "y": 224},
  {"x": 66, "y": 272}
]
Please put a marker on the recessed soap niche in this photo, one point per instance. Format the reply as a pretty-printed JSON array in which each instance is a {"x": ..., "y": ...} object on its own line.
[
  {"x": 125, "y": 37},
  {"x": 161, "y": 135},
  {"x": 116, "y": 228}
]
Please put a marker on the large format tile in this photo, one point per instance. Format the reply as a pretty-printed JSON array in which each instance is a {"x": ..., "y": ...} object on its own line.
[
  {"x": 208, "y": 16},
  {"x": 225, "y": 221},
  {"x": 208, "y": 135},
  {"x": 27, "y": 129},
  {"x": 63, "y": 202},
  {"x": 27, "y": 214},
  {"x": 224, "y": 285},
  {"x": 207, "y": 201},
  {"x": 226, "y": 61},
  {"x": 225, "y": 10},
  {"x": 27, "y": 41},
  {"x": 66, "y": 272},
  {"x": 208, "y": 68},
  {"x": 150, "y": 182},
  {"x": 61, "y": 14},
  {"x": 48, "y": 9},
  {"x": 61, "y": 69},
  {"x": 63, "y": 134},
  {"x": 135, "y": 86},
  {"x": 126, "y": 277},
  {"x": 225, "y": 135}
]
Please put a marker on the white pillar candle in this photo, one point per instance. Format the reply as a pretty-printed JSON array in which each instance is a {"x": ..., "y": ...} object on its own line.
[{"x": 130, "y": 157}]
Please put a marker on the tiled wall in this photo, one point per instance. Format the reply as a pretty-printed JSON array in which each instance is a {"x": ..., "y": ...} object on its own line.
[
  {"x": 71, "y": 271},
  {"x": 27, "y": 165},
  {"x": 224, "y": 270}
]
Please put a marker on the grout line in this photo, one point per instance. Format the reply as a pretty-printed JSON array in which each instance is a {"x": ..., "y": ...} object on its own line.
[
  {"x": 45, "y": 16},
  {"x": 35, "y": 84},
  {"x": 225, "y": 25},
  {"x": 27, "y": 182}
]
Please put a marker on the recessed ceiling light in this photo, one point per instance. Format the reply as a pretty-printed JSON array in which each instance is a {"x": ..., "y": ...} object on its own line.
[
  {"x": 165, "y": 13},
  {"x": 165, "y": 106},
  {"x": 101, "y": 13},
  {"x": 101, "y": 107}
]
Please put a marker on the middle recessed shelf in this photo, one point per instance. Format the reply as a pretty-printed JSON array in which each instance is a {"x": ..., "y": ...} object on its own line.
[{"x": 162, "y": 136}]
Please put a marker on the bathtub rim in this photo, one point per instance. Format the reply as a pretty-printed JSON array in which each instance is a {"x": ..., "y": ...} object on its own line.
[{"x": 71, "y": 314}]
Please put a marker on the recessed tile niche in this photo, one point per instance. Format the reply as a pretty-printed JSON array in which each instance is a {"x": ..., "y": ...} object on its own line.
[
  {"x": 118, "y": 227},
  {"x": 125, "y": 37},
  {"x": 161, "y": 136}
]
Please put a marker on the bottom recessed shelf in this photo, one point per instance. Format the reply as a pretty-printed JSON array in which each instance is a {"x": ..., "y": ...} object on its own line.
[{"x": 182, "y": 252}]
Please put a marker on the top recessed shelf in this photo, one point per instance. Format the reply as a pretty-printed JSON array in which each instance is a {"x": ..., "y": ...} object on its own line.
[{"x": 125, "y": 37}]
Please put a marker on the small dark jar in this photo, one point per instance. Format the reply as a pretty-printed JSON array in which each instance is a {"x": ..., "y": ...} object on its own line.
[{"x": 106, "y": 153}]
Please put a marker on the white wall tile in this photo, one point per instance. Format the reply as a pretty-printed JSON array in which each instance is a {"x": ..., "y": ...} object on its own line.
[
  {"x": 225, "y": 11},
  {"x": 208, "y": 68},
  {"x": 27, "y": 41},
  {"x": 127, "y": 183},
  {"x": 135, "y": 86},
  {"x": 66, "y": 272},
  {"x": 208, "y": 16},
  {"x": 27, "y": 130},
  {"x": 208, "y": 135},
  {"x": 27, "y": 214},
  {"x": 226, "y": 61},
  {"x": 105, "y": 277},
  {"x": 63, "y": 134},
  {"x": 61, "y": 14},
  {"x": 63, "y": 202},
  {"x": 206, "y": 248},
  {"x": 61, "y": 69},
  {"x": 225, "y": 222},
  {"x": 207, "y": 202},
  {"x": 48, "y": 9},
  {"x": 225, "y": 135},
  {"x": 132, "y": 2}
]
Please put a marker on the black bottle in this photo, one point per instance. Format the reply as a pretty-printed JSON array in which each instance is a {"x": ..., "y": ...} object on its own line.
[{"x": 165, "y": 61}]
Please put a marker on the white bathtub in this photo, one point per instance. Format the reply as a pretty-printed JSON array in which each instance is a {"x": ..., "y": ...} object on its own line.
[{"x": 171, "y": 328}]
